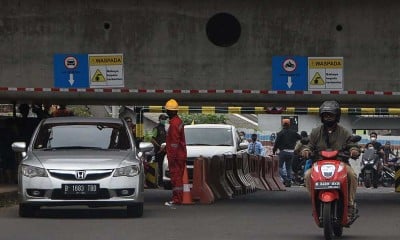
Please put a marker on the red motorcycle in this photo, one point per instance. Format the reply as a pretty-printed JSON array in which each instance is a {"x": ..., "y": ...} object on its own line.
[{"x": 329, "y": 194}]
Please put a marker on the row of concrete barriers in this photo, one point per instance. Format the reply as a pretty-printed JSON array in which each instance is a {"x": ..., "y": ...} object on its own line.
[{"x": 224, "y": 176}]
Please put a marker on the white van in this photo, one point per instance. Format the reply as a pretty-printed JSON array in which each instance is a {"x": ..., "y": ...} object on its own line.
[{"x": 207, "y": 140}]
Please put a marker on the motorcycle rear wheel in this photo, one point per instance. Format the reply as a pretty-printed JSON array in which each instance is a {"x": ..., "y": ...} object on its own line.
[{"x": 327, "y": 221}]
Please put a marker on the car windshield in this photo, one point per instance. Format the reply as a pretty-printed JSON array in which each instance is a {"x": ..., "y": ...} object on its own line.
[
  {"x": 82, "y": 136},
  {"x": 209, "y": 136}
]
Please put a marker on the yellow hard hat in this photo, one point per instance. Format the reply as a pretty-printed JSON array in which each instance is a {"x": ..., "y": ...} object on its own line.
[{"x": 172, "y": 104}]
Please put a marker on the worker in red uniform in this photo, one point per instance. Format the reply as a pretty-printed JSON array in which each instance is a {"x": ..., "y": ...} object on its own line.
[{"x": 176, "y": 151}]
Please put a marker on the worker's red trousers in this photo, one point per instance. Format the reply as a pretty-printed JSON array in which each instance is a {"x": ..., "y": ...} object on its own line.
[{"x": 176, "y": 169}]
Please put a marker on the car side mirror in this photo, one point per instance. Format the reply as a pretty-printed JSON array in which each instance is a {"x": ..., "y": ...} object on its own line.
[
  {"x": 19, "y": 147},
  {"x": 243, "y": 145},
  {"x": 145, "y": 147}
]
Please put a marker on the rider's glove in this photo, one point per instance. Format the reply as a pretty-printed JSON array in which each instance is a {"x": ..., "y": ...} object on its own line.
[{"x": 305, "y": 154}]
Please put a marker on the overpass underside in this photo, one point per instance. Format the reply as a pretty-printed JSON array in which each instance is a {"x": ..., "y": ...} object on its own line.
[{"x": 200, "y": 52}]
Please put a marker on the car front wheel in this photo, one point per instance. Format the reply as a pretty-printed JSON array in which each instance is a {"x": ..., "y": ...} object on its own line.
[{"x": 135, "y": 210}]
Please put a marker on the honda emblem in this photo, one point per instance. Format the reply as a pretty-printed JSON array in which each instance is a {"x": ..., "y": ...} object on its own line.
[{"x": 80, "y": 175}]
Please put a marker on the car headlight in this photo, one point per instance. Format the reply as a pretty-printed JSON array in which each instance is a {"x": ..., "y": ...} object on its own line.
[
  {"x": 129, "y": 171},
  {"x": 31, "y": 171}
]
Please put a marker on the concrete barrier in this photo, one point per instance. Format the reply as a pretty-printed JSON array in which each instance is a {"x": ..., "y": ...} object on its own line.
[
  {"x": 276, "y": 176},
  {"x": 216, "y": 171},
  {"x": 255, "y": 171},
  {"x": 246, "y": 168},
  {"x": 210, "y": 178},
  {"x": 230, "y": 175},
  {"x": 200, "y": 189},
  {"x": 269, "y": 174},
  {"x": 238, "y": 172},
  {"x": 263, "y": 162},
  {"x": 397, "y": 179}
]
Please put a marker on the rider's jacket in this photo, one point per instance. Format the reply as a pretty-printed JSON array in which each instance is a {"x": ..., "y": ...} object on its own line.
[{"x": 321, "y": 139}]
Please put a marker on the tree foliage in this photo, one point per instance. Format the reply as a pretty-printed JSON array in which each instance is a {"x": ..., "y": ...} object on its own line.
[{"x": 202, "y": 118}]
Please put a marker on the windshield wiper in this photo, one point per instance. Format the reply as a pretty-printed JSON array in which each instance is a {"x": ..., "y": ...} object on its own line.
[
  {"x": 72, "y": 147},
  {"x": 198, "y": 144}
]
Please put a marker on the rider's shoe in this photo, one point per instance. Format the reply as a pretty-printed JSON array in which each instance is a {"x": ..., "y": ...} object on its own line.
[{"x": 352, "y": 211}]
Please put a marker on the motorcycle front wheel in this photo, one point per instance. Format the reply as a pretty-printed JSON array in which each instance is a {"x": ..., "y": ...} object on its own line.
[
  {"x": 327, "y": 220},
  {"x": 387, "y": 182},
  {"x": 337, "y": 229},
  {"x": 367, "y": 180}
]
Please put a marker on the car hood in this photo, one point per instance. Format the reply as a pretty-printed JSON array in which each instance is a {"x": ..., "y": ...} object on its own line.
[
  {"x": 208, "y": 151},
  {"x": 83, "y": 159}
]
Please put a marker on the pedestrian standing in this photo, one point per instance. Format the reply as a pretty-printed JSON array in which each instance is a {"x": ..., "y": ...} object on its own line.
[
  {"x": 159, "y": 136},
  {"x": 176, "y": 151},
  {"x": 286, "y": 141},
  {"x": 255, "y": 147},
  {"x": 132, "y": 127}
]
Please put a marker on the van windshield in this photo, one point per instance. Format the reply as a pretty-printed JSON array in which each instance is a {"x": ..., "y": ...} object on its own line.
[{"x": 209, "y": 136}]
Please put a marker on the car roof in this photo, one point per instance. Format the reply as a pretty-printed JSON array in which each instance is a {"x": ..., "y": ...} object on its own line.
[
  {"x": 226, "y": 126},
  {"x": 81, "y": 119}
]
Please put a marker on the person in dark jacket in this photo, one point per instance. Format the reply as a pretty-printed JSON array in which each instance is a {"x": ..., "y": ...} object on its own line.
[
  {"x": 159, "y": 136},
  {"x": 286, "y": 141}
]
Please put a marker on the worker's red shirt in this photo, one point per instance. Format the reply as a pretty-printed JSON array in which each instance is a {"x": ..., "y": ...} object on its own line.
[{"x": 176, "y": 143}]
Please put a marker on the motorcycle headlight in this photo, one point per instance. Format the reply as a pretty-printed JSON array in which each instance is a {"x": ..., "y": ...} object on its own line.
[
  {"x": 129, "y": 171},
  {"x": 328, "y": 170},
  {"x": 31, "y": 171}
]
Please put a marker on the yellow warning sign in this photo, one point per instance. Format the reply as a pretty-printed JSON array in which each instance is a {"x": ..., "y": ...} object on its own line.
[
  {"x": 106, "y": 60},
  {"x": 98, "y": 77},
  {"x": 325, "y": 63},
  {"x": 317, "y": 80}
]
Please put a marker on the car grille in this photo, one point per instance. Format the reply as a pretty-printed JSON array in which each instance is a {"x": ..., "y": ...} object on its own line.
[
  {"x": 72, "y": 174},
  {"x": 58, "y": 194}
]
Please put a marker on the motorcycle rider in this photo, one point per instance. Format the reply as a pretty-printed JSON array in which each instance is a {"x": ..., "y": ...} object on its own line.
[
  {"x": 377, "y": 145},
  {"x": 387, "y": 151},
  {"x": 331, "y": 135},
  {"x": 373, "y": 136}
]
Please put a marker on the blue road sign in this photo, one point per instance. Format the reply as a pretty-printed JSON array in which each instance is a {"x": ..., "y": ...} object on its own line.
[
  {"x": 71, "y": 71},
  {"x": 289, "y": 73}
]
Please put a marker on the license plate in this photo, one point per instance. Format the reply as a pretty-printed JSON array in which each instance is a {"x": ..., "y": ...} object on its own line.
[
  {"x": 327, "y": 185},
  {"x": 80, "y": 189}
]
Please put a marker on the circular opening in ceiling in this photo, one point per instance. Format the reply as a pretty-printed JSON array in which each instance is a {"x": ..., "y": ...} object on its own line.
[
  {"x": 107, "y": 25},
  {"x": 223, "y": 29},
  {"x": 339, "y": 28}
]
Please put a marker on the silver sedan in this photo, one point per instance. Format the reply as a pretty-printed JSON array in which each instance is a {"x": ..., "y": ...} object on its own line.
[{"x": 81, "y": 161}]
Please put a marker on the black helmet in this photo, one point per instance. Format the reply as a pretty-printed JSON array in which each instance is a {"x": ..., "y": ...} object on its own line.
[
  {"x": 162, "y": 117},
  {"x": 330, "y": 107}
]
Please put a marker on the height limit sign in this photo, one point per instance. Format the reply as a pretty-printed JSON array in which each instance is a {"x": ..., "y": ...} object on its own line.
[{"x": 325, "y": 73}]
